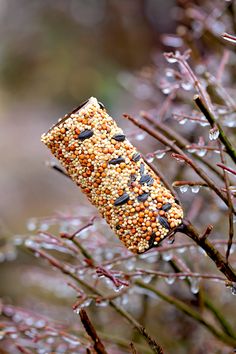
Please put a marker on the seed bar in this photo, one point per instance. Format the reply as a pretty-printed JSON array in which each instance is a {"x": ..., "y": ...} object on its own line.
[{"x": 114, "y": 176}]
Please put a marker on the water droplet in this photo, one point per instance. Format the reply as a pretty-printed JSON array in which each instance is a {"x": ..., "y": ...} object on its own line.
[
  {"x": 147, "y": 278},
  {"x": 204, "y": 123},
  {"x": 166, "y": 90},
  {"x": 31, "y": 224},
  {"x": 72, "y": 341},
  {"x": 192, "y": 151},
  {"x": 194, "y": 285},
  {"x": 44, "y": 226},
  {"x": 160, "y": 155},
  {"x": 186, "y": 85},
  {"x": 29, "y": 321},
  {"x": 103, "y": 303},
  {"x": 140, "y": 136},
  {"x": 213, "y": 133},
  {"x": 202, "y": 152},
  {"x": 149, "y": 158},
  {"x": 169, "y": 73},
  {"x": 233, "y": 289},
  {"x": 129, "y": 264},
  {"x": 117, "y": 289},
  {"x": 18, "y": 240},
  {"x": 40, "y": 323},
  {"x": 171, "y": 59},
  {"x": 31, "y": 244},
  {"x": 170, "y": 280},
  {"x": 195, "y": 189},
  {"x": 182, "y": 121},
  {"x": 124, "y": 299},
  {"x": 167, "y": 256},
  {"x": 181, "y": 249},
  {"x": 183, "y": 188}
]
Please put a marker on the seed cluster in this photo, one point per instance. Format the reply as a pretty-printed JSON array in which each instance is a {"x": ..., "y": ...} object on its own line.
[{"x": 114, "y": 176}]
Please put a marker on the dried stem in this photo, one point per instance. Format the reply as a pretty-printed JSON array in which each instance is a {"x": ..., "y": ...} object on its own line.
[
  {"x": 89, "y": 328},
  {"x": 221, "y": 263}
]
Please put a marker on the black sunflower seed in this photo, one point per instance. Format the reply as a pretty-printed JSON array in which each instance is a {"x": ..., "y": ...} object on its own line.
[
  {"x": 143, "y": 197},
  {"x": 150, "y": 182},
  {"x": 163, "y": 221},
  {"x": 119, "y": 137},
  {"x": 136, "y": 157},
  {"x": 116, "y": 161},
  {"x": 101, "y": 105},
  {"x": 132, "y": 178},
  {"x": 176, "y": 201},
  {"x": 86, "y": 134},
  {"x": 122, "y": 199},
  {"x": 152, "y": 240},
  {"x": 117, "y": 227},
  {"x": 166, "y": 206},
  {"x": 142, "y": 168},
  {"x": 145, "y": 179}
]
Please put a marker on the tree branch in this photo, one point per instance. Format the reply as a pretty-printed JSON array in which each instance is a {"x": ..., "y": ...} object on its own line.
[{"x": 98, "y": 345}]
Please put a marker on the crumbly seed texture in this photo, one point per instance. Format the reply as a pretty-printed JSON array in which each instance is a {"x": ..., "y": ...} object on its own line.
[{"x": 114, "y": 176}]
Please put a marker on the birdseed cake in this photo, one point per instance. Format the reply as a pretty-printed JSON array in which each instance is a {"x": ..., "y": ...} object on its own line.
[{"x": 111, "y": 172}]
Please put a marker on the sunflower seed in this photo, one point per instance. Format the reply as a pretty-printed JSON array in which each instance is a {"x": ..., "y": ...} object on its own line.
[
  {"x": 152, "y": 240},
  {"x": 101, "y": 105},
  {"x": 163, "y": 221},
  {"x": 119, "y": 137},
  {"x": 150, "y": 183},
  {"x": 116, "y": 161},
  {"x": 122, "y": 199},
  {"x": 143, "y": 197},
  {"x": 142, "y": 168},
  {"x": 117, "y": 227},
  {"x": 166, "y": 206},
  {"x": 86, "y": 134},
  {"x": 131, "y": 179},
  {"x": 145, "y": 179},
  {"x": 176, "y": 201},
  {"x": 136, "y": 157}
]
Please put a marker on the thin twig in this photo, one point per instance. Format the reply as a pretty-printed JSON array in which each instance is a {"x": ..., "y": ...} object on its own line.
[
  {"x": 157, "y": 349},
  {"x": 202, "y": 174},
  {"x": 221, "y": 263},
  {"x": 180, "y": 141},
  {"x": 182, "y": 306},
  {"x": 160, "y": 137},
  {"x": 222, "y": 135},
  {"x": 231, "y": 217},
  {"x": 230, "y": 170},
  {"x": 89, "y": 328},
  {"x": 206, "y": 232}
]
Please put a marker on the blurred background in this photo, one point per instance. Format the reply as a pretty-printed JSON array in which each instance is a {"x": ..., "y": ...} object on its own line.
[{"x": 53, "y": 56}]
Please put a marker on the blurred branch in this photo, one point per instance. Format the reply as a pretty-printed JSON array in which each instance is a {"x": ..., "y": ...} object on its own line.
[
  {"x": 211, "y": 119},
  {"x": 66, "y": 270},
  {"x": 182, "y": 306}
]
